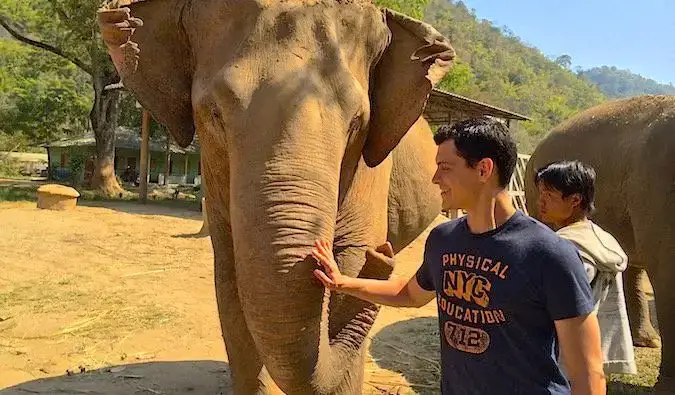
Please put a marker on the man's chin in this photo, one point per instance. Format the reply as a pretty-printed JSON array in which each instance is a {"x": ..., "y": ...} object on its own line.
[{"x": 450, "y": 206}]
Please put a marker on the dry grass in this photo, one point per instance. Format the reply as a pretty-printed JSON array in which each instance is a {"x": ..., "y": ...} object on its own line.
[{"x": 120, "y": 284}]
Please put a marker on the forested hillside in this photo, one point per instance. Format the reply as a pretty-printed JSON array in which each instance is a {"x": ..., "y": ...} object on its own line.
[
  {"x": 496, "y": 67},
  {"x": 616, "y": 83}
]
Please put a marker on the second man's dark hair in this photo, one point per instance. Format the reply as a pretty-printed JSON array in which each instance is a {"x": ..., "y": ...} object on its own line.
[
  {"x": 570, "y": 177},
  {"x": 483, "y": 137}
]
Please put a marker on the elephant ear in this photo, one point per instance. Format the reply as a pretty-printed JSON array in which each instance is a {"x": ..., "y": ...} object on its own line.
[
  {"x": 151, "y": 55},
  {"x": 417, "y": 58}
]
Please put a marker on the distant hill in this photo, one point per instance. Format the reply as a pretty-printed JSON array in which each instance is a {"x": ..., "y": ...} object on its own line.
[
  {"x": 616, "y": 83},
  {"x": 496, "y": 67}
]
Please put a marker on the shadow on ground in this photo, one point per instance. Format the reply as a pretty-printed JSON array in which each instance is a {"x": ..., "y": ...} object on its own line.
[
  {"x": 166, "y": 378},
  {"x": 177, "y": 209},
  {"x": 196, "y": 235},
  {"x": 614, "y": 388},
  {"x": 411, "y": 348}
]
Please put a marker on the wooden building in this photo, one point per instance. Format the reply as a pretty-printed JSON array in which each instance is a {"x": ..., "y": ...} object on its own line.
[{"x": 183, "y": 163}]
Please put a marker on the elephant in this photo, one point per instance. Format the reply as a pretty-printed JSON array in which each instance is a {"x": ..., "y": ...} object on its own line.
[
  {"x": 631, "y": 145},
  {"x": 309, "y": 117}
]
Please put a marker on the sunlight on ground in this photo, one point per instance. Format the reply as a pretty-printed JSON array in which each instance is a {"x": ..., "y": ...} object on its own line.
[{"x": 121, "y": 285}]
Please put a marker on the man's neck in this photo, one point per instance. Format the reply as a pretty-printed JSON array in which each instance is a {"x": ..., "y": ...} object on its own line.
[{"x": 490, "y": 211}]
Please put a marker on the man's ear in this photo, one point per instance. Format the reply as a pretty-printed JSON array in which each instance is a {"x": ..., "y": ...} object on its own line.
[
  {"x": 416, "y": 59},
  {"x": 575, "y": 199},
  {"x": 486, "y": 167}
]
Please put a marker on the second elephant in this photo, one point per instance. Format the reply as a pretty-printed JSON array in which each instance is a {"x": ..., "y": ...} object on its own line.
[{"x": 631, "y": 145}]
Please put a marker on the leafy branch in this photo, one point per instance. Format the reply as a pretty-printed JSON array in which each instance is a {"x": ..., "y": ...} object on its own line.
[{"x": 12, "y": 30}]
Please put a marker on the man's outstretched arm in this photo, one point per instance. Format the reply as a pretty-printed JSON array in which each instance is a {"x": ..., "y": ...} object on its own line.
[{"x": 397, "y": 292}]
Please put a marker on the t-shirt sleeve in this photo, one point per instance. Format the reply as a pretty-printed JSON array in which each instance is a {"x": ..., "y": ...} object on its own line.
[
  {"x": 423, "y": 275},
  {"x": 566, "y": 288}
]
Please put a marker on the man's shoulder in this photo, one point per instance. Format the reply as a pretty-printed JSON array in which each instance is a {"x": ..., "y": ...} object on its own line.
[
  {"x": 542, "y": 241},
  {"x": 535, "y": 231}
]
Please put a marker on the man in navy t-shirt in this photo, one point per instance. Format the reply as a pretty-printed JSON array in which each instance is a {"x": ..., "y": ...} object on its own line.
[{"x": 511, "y": 293}]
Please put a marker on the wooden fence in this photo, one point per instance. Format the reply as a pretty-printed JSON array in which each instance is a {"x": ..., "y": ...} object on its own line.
[{"x": 516, "y": 188}]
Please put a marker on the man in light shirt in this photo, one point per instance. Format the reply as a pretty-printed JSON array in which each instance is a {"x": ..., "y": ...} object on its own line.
[{"x": 566, "y": 192}]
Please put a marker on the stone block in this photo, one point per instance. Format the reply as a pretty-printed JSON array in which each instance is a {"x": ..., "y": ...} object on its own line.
[{"x": 57, "y": 197}]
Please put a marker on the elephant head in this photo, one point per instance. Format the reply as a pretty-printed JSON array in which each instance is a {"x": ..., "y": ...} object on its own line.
[{"x": 289, "y": 99}]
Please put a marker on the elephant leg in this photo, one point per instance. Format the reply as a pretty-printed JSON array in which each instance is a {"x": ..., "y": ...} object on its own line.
[
  {"x": 644, "y": 334},
  {"x": 662, "y": 272},
  {"x": 665, "y": 311},
  {"x": 248, "y": 373}
]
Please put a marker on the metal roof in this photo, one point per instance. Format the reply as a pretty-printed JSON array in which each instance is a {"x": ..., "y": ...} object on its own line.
[{"x": 446, "y": 107}]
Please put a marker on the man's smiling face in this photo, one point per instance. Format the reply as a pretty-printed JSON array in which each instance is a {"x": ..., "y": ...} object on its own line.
[{"x": 459, "y": 182}]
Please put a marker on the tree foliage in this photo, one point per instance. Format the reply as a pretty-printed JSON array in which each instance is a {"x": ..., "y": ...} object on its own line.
[
  {"x": 42, "y": 96},
  {"x": 564, "y": 61},
  {"x": 68, "y": 28},
  {"x": 414, "y": 8}
]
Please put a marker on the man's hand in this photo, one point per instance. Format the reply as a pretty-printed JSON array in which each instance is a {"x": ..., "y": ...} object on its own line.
[
  {"x": 379, "y": 265},
  {"x": 330, "y": 276},
  {"x": 391, "y": 292}
]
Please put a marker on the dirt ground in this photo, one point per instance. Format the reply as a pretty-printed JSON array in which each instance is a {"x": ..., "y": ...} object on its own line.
[{"x": 117, "y": 298}]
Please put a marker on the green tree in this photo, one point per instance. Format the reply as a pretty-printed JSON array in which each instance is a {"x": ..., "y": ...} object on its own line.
[
  {"x": 68, "y": 29},
  {"x": 42, "y": 96},
  {"x": 414, "y": 8},
  {"x": 459, "y": 79},
  {"x": 564, "y": 61}
]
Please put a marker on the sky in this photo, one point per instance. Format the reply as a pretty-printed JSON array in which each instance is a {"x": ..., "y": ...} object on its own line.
[{"x": 634, "y": 35}]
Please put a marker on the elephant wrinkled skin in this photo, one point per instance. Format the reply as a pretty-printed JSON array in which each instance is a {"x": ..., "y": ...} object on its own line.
[
  {"x": 298, "y": 106},
  {"x": 631, "y": 145}
]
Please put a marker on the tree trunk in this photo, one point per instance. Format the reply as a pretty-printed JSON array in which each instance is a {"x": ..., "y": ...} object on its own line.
[{"x": 104, "y": 116}]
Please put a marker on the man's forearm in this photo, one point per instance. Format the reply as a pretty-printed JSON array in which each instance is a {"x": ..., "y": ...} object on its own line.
[{"x": 392, "y": 292}]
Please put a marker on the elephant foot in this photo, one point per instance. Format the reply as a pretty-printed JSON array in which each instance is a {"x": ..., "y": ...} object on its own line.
[
  {"x": 647, "y": 343},
  {"x": 647, "y": 340}
]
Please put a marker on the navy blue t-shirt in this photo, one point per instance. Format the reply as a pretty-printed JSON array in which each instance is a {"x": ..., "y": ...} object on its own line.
[{"x": 498, "y": 294}]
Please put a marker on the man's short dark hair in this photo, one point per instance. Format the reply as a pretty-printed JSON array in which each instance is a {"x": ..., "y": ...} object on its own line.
[
  {"x": 570, "y": 177},
  {"x": 483, "y": 137}
]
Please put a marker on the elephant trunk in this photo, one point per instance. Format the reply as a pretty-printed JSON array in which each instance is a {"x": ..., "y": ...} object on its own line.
[{"x": 281, "y": 202}]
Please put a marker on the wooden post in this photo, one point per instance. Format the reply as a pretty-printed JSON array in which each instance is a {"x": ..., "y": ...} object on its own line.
[
  {"x": 204, "y": 231},
  {"x": 167, "y": 158},
  {"x": 145, "y": 138},
  {"x": 49, "y": 164},
  {"x": 186, "y": 166}
]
